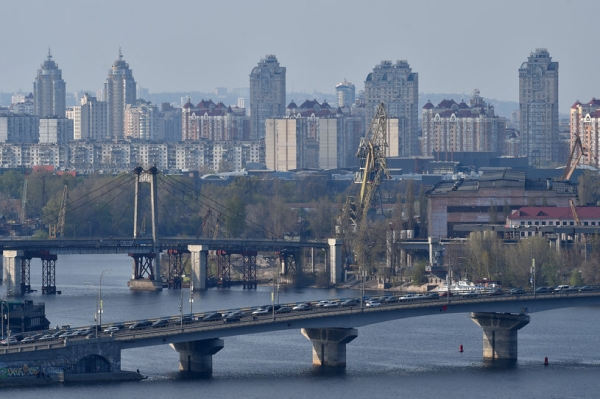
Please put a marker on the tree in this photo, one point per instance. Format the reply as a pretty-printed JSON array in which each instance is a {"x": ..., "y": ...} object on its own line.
[
  {"x": 235, "y": 216},
  {"x": 576, "y": 278},
  {"x": 419, "y": 275}
]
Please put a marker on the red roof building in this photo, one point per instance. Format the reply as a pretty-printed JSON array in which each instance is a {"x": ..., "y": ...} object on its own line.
[{"x": 539, "y": 216}]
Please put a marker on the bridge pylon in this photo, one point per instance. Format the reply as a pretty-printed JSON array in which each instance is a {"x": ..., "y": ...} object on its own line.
[{"x": 146, "y": 267}]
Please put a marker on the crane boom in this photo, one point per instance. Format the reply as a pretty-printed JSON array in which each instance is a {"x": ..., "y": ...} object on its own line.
[
  {"x": 60, "y": 229},
  {"x": 577, "y": 151},
  {"x": 23, "y": 202},
  {"x": 373, "y": 163},
  {"x": 574, "y": 211}
]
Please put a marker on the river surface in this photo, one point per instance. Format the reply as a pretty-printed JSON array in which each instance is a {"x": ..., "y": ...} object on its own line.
[{"x": 410, "y": 358}]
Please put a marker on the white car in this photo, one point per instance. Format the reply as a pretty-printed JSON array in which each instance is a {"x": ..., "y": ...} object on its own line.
[{"x": 373, "y": 304}]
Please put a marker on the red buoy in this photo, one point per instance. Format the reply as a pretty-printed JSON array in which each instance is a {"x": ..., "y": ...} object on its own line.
[
  {"x": 460, "y": 349},
  {"x": 546, "y": 361}
]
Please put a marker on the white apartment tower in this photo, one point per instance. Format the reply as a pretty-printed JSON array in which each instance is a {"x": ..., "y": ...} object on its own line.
[
  {"x": 346, "y": 93},
  {"x": 267, "y": 94},
  {"x": 538, "y": 105},
  {"x": 120, "y": 90},
  {"x": 49, "y": 90},
  {"x": 397, "y": 87}
]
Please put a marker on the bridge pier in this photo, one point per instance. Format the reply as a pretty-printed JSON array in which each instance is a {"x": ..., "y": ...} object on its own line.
[
  {"x": 329, "y": 344},
  {"x": 198, "y": 259},
  {"x": 500, "y": 335},
  {"x": 196, "y": 356},
  {"x": 335, "y": 260},
  {"x": 12, "y": 272},
  {"x": 145, "y": 276}
]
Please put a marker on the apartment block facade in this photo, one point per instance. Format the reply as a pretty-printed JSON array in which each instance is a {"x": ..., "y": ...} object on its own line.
[
  {"x": 538, "y": 108},
  {"x": 49, "y": 90},
  {"x": 585, "y": 123},
  {"x": 455, "y": 127},
  {"x": 397, "y": 87},
  {"x": 267, "y": 94}
]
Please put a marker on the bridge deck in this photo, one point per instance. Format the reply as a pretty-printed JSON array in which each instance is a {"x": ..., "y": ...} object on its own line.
[{"x": 320, "y": 318}]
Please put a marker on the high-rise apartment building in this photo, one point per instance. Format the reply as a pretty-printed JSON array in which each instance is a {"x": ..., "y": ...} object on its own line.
[
  {"x": 397, "y": 87},
  {"x": 90, "y": 121},
  {"x": 346, "y": 93},
  {"x": 267, "y": 94},
  {"x": 210, "y": 121},
  {"x": 538, "y": 106},
  {"x": 312, "y": 135},
  {"x": 120, "y": 90},
  {"x": 585, "y": 123},
  {"x": 453, "y": 127},
  {"x": 49, "y": 90},
  {"x": 141, "y": 121}
]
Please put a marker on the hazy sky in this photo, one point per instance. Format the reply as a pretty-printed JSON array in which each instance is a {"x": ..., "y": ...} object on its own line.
[{"x": 454, "y": 46}]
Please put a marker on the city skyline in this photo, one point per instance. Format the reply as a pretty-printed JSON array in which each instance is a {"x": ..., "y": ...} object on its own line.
[{"x": 480, "y": 52}]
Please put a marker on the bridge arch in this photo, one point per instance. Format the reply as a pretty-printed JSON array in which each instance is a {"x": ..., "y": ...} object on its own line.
[{"x": 90, "y": 364}]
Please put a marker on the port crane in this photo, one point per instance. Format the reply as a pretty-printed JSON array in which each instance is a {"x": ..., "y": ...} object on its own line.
[
  {"x": 373, "y": 168},
  {"x": 577, "y": 151}
]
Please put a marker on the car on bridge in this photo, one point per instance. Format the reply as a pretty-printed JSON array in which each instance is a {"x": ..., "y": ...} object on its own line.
[
  {"x": 284, "y": 309},
  {"x": 9, "y": 341},
  {"x": 261, "y": 311},
  {"x": 302, "y": 307},
  {"x": 331, "y": 304},
  {"x": 140, "y": 324},
  {"x": 542, "y": 290},
  {"x": 373, "y": 303},
  {"x": 160, "y": 323},
  {"x": 350, "y": 302},
  {"x": 234, "y": 313},
  {"x": 517, "y": 291},
  {"x": 212, "y": 316},
  {"x": 231, "y": 319}
]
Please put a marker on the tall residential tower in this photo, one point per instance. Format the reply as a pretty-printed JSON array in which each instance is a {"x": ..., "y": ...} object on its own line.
[
  {"x": 120, "y": 90},
  {"x": 267, "y": 94},
  {"x": 346, "y": 94},
  {"x": 397, "y": 87},
  {"x": 538, "y": 105},
  {"x": 49, "y": 90}
]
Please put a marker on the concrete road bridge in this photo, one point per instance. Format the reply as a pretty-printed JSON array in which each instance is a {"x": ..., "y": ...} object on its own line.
[{"x": 328, "y": 329}]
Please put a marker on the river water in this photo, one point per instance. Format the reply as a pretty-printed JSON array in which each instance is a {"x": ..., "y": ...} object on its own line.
[{"x": 411, "y": 358}]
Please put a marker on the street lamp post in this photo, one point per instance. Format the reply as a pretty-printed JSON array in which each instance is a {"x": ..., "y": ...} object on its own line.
[
  {"x": 100, "y": 310},
  {"x": 181, "y": 301},
  {"x": 191, "y": 296},
  {"x": 4, "y": 303},
  {"x": 95, "y": 310}
]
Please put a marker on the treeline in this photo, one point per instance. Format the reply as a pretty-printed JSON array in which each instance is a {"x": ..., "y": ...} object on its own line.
[
  {"x": 102, "y": 205},
  {"x": 246, "y": 207}
]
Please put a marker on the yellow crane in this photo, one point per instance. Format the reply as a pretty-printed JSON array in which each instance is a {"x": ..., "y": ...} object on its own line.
[
  {"x": 373, "y": 167},
  {"x": 574, "y": 211},
  {"x": 577, "y": 151}
]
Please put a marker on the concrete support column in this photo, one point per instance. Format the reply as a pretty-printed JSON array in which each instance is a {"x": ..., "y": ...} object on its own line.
[
  {"x": 500, "y": 335},
  {"x": 12, "y": 272},
  {"x": 335, "y": 260},
  {"x": 1, "y": 269},
  {"x": 329, "y": 344},
  {"x": 434, "y": 246},
  {"x": 198, "y": 258},
  {"x": 196, "y": 356},
  {"x": 403, "y": 257}
]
